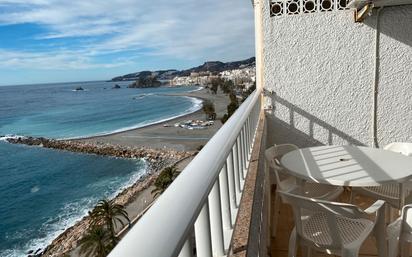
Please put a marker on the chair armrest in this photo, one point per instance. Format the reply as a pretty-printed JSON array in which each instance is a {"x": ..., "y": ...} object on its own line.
[
  {"x": 405, "y": 212},
  {"x": 406, "y": 207},
  {"x": 376, "y": 207}
]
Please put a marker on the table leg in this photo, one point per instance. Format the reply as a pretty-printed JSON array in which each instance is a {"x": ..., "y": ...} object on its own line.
[{"x": 380, "y": 235}]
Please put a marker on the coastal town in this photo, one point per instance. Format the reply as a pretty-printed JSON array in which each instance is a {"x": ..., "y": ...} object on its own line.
[
  {"x": 242, "y": 76},
  {"x": 241, "y": 73}
]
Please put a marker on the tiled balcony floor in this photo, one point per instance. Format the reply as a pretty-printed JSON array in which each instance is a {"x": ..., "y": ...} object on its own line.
[{"x": 279, "y": 245}]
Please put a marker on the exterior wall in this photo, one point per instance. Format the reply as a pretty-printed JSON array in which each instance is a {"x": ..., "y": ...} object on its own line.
[{"x": 319, "y": 75}]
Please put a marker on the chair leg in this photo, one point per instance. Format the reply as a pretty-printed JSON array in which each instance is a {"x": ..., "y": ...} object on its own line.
[
  {"x": 275, "y": 216},
  {"x": 393, "y": 247},
  {"x": 350, "y": 252},
  {"x": 404, "y": 248},
  {"x": 309, "y": 251},
  {"x": 388, "y": 215},
  {"x": 293, "y": 244},
  {"x": 391, "y": 214},
  {"x": 269, "y": 212},
  {"x": 352, "y": 196},
  {"x": 380, "y": 235}
]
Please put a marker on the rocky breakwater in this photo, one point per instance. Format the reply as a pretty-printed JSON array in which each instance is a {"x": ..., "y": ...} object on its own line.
[{"x": 155, "y": 159}]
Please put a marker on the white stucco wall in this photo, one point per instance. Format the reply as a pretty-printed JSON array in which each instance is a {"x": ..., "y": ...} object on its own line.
[{"x": 321, "y": 69}]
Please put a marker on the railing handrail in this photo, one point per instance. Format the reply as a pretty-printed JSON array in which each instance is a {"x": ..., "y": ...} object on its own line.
[{"x": 162, "y": 231}]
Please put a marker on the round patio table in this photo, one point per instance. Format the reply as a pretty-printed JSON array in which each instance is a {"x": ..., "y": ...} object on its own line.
[{"x": 348, "y": 165}]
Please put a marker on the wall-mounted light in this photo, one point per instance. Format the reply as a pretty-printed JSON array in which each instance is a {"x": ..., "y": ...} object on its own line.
[{"x": 363, "y": 12}]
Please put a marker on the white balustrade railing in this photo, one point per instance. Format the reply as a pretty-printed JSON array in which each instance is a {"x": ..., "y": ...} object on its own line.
[{"x": 199, "y": 209}]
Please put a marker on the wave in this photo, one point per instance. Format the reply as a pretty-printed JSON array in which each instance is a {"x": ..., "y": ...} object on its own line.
[
  {"x": 6, "y": 137},
  {"x": 140, "y": 96},
  {"x": 197, "y": 89},
  {"x": 70, "y": 214},
  {"x": 196, "y": 105},
  {"x": 81, "y": 90}
]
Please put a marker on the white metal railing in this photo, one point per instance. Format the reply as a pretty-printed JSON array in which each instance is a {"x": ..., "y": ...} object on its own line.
[{"x": 199, "y": 209}]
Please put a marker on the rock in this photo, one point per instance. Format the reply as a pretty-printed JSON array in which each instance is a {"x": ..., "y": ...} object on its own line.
[
  {"x": 116, "y": 86},
  {"x": 145, "y": 82}
]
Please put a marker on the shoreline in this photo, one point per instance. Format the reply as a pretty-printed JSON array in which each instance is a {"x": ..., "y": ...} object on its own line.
[
  {"x": 155, "y": 160},
  {"x": 163, "y": 135},
  {"x": 67, "y": 242},
  {"x": 160, "y": 146},
  {"x": 115, "y": 132},
  {"x": 198, "y": 107}
]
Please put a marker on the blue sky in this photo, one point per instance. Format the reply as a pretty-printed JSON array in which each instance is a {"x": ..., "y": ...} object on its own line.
[{"x": 45, "y": 41}]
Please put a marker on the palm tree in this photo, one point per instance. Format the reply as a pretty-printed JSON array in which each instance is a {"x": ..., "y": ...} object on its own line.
[
  {"x": 108, "y": 213},
  {"x": 165, "y": 178},
  {"x": 95, "y": 243}
]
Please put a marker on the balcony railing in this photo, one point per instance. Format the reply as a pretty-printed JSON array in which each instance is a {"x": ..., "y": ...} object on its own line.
[{"x": 199, "y": 209}]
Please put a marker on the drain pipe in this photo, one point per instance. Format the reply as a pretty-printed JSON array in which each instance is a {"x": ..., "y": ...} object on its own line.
[{"x": 376, "y": 82}]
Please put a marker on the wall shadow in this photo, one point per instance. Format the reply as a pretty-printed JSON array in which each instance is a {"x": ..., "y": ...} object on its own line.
[
  {"x": 311, "y": 130},
  {"x": 395, "y": 22}
]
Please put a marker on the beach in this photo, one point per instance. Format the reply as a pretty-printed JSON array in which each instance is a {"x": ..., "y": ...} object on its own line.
[
  {"x": 182, "y": 142},
  {"x": 158, "y": 136}
]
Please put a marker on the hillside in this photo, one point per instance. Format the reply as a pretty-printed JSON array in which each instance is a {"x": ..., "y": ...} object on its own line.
[{"x": 211, "y": 66}]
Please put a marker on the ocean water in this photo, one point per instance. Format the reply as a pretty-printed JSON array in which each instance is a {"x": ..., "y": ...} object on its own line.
[
  {"x": 58, "y": 111},
  {"x": 45, "y": 191}
]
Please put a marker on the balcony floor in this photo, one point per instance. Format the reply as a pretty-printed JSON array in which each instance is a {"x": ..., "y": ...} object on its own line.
[{"x": 279, "y": 245}]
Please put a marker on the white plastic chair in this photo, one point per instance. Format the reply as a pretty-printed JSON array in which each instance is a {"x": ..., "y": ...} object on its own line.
[
  {"x": 334, "y": 228},
  {"x": 393, "y": 193},
  {"x": 400, "y": 232},
  {"x": 287, "y": 182}
]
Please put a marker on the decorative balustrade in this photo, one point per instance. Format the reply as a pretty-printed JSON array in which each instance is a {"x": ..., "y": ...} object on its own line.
[
  {"x": 198, "y": 211},
  {"x": 293, "y": 7}
]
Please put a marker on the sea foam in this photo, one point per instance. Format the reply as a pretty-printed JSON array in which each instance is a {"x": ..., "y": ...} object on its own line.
[{"x": 69, "y": 215}]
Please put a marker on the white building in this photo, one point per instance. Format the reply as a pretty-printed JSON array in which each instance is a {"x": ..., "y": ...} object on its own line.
[{"x": 240, "y": 76}]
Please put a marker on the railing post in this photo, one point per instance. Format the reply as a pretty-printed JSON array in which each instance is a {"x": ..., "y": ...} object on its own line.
[
  {"x": 225, "y": 197},
  {"x": 236, "y": 173},
  {"x": 232, "y": 183},
  {"x": 245, "y": 150},
  {"x": 187, "y": 250},
  {"x": 248, "y": 138},
  {"x": 243, "y": 153},
  {"x": 239, "y": 159},
  {"x": 216, "y": 226},
  {"x": 251, "y": 131},
  {"x": 202, "y": 233},
  {"x": 239, "y": 164}
]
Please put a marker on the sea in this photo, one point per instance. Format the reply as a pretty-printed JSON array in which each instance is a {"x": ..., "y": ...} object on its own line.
[{"x": 45, "y": 191}]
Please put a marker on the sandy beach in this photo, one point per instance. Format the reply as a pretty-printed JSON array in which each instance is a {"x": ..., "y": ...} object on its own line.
[
  {"x": 138, "y": 198},
  {"x": 159, "y": 137}
]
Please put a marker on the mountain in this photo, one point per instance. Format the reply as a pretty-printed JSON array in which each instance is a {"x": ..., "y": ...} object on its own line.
[
  {"x": 216, "y": 67},
  {"x": 211, "y": 66},
  {"x": 160, "y": 75}
]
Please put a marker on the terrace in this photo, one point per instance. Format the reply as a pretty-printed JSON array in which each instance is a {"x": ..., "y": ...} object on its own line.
[{"x": 219, "y": 205}]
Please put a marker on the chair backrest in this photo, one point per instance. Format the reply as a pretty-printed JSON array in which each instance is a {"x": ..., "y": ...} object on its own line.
[
  {"x": 406, "y": 226},
  {"x": 403, "y": 148},
  {"x": 304, "y": 207},
  {"x": 273, "y": 155}
]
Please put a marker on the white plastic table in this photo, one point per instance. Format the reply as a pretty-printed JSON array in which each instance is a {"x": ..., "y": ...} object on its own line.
[{"x": 348, "y": 165}]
